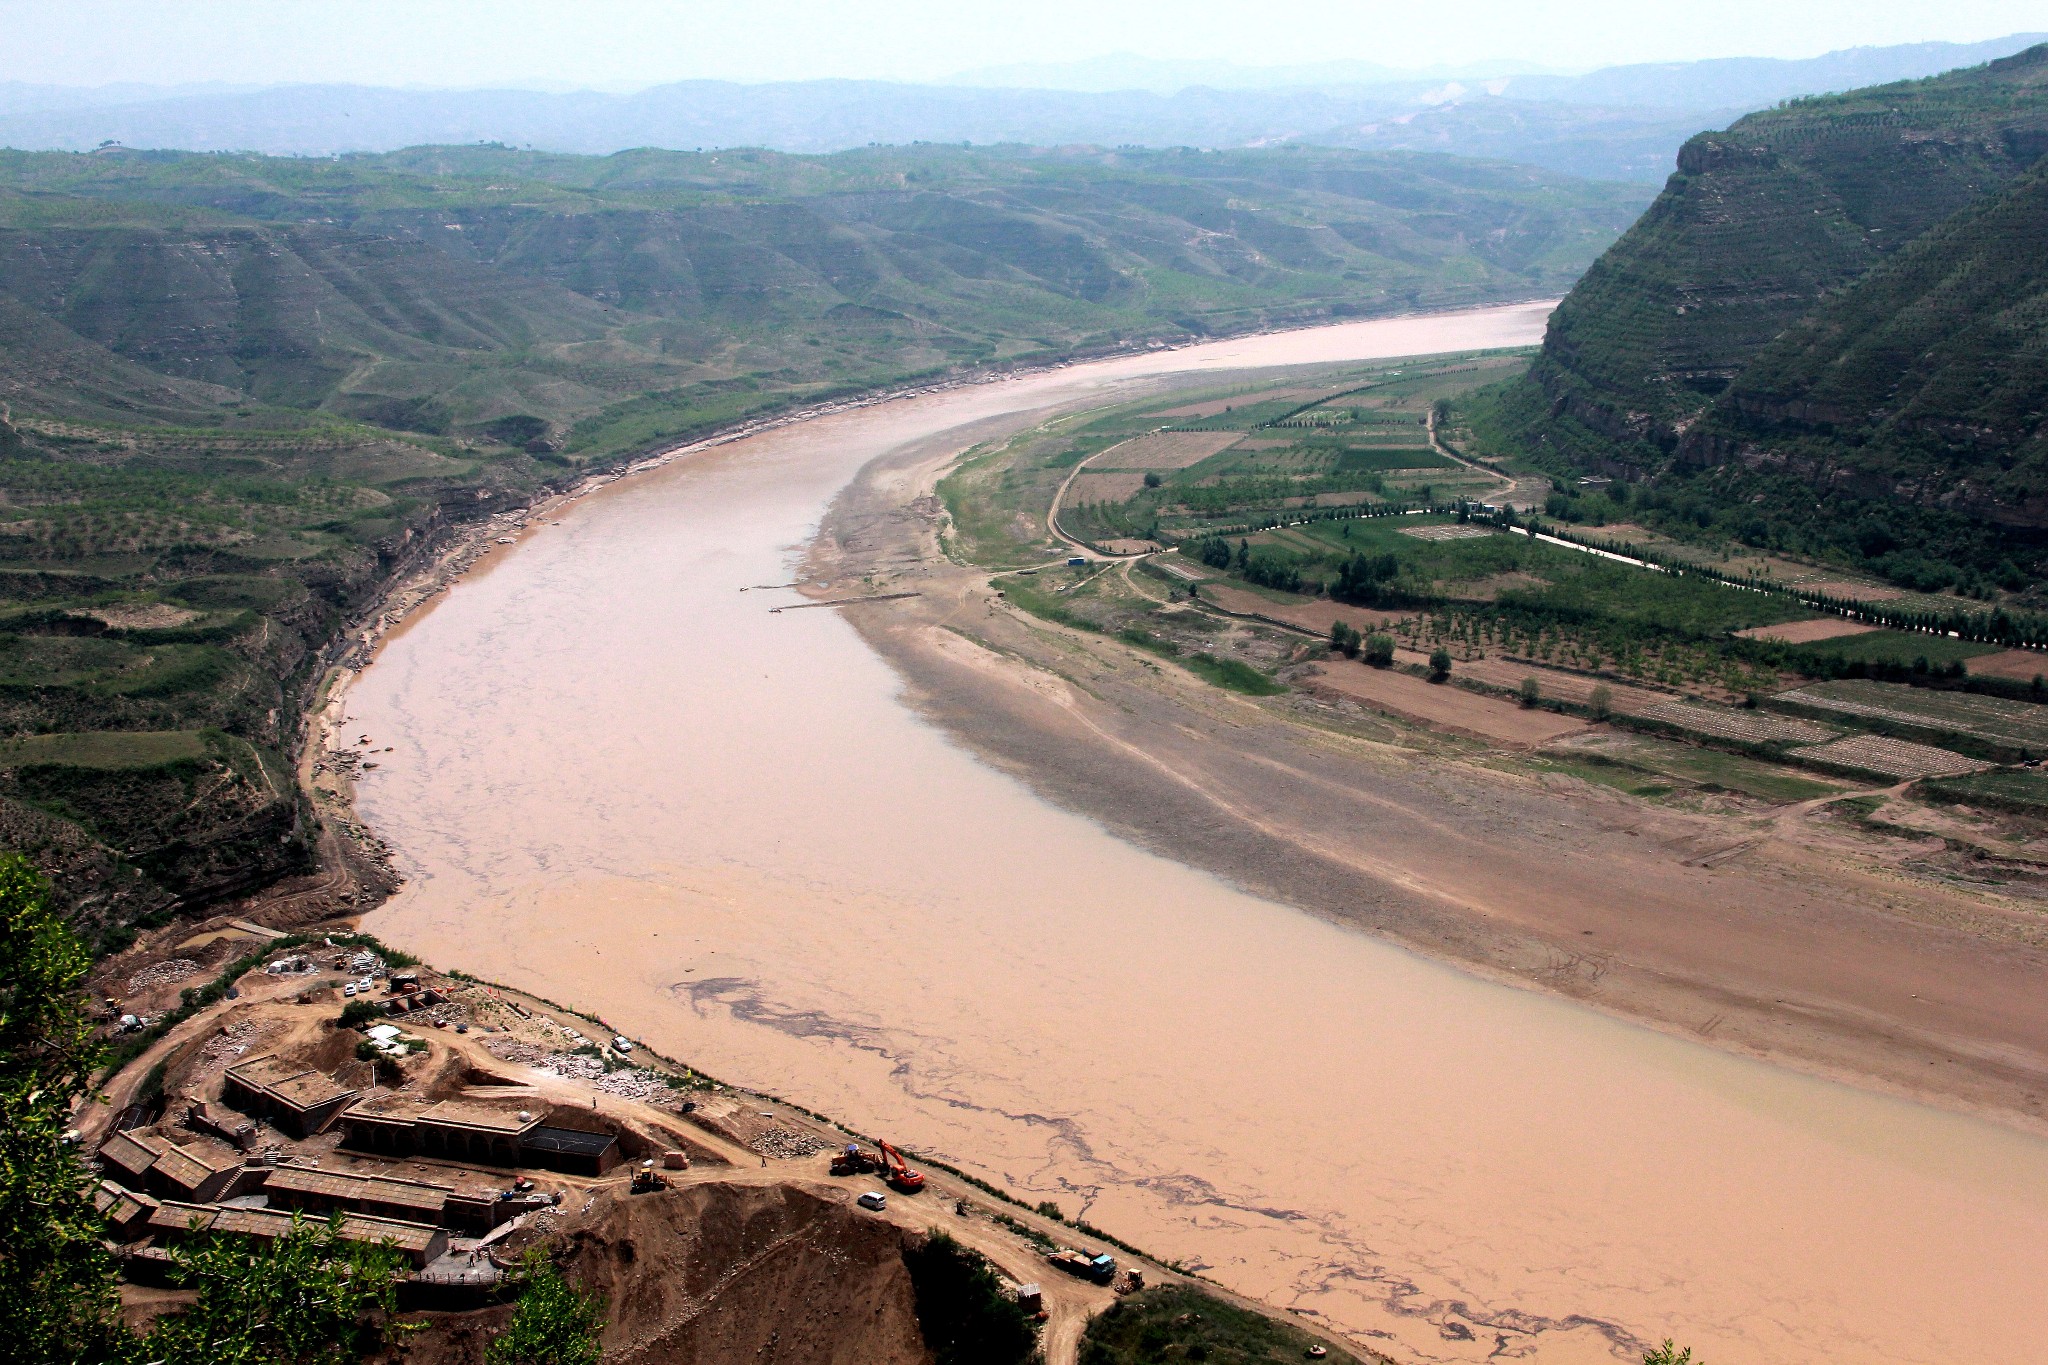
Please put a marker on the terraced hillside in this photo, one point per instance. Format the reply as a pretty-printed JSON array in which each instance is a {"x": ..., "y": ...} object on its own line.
[
  {"x": 1842, "y": 293},
  {"x": 238, "y": 393}
]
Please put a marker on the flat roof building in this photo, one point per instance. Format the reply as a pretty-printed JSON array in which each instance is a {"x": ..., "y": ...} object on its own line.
[
  {"x": 460, "y": 1130},
  {"x": 166, "y": 1169},
  {"x": 420, "y": 1244},
  {"x": 296, "y": 1187},
  {"x": 570, "y": 1150},
  {"x": 127, "y": 1213},
  {"x": 299, "y": 1100}
]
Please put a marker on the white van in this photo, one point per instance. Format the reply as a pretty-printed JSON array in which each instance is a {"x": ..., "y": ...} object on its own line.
[{"x": 873, "y": 1199}]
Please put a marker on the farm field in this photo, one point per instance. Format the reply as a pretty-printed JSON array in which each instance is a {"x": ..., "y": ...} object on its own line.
[
  {"x": 1994, "y": 720},
  {"x": 1445, "y": 706},
  {"x": 1899, "y": 647},
  {"x": 1287, "y": 516},
  {"x": 1704, "y": 768},
  {"x": 2020, "y": 789},
  {"x": 1746, "y": 727},
  {"x": 2021, "y": 665},
  {"x": 1807, "y": 632},
  {"x": 1892, "y": 757}
]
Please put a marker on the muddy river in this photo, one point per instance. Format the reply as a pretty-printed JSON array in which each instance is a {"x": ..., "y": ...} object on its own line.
[{"x": 621, "y": 781}]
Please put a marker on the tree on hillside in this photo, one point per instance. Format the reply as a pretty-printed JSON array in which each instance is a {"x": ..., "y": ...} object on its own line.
[
  {"x": 554, "y": 1324},
  {"x": 1439, "y": 664},
  {"x": 1379, "y": 650},
  {"x": 303, "y": 1300},
  {"x": 57, "y": 1292},
  {"x": 962, "y": 1311},
  {"x": 308, "y": 1298}
]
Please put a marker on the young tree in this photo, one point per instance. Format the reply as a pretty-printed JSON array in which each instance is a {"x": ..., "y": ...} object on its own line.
[
  {"x": 308, "y": 1298},
  {"x": 1379, "y": 651},
  {"x": 1439, "y": 664},
  {"x": 1601, "y": 703},
  {"x": 1669, "y": 1354},
  {"x": 554, "y": 1324},
  {"x": 1532, "y": 691},
  {"x": 57, "y": 1294}
]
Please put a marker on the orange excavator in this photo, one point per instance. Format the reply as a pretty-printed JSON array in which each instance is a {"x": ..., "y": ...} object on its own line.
[{"x": 898, "y": 1172}]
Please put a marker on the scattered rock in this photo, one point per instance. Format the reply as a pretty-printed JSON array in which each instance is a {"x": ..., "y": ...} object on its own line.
[{"x": 163, "y": 973}]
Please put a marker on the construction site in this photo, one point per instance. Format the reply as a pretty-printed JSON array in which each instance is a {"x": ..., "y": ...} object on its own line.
[{"x": 462, "y": 1124}]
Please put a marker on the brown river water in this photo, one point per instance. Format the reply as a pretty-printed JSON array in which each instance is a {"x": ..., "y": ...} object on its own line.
[{"x": 623, "y": 783}]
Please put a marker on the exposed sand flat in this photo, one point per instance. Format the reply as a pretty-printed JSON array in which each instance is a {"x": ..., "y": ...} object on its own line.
[{"x": 727, "y": 830}]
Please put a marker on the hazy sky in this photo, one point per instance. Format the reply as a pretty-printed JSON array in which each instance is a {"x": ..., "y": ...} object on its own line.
[{"x": 642, "y": 42}]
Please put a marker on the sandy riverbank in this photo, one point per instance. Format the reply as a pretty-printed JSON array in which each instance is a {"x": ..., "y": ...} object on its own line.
[
  {"x": 619, "y": 779},
  {"x": 1786, "y": 938}
]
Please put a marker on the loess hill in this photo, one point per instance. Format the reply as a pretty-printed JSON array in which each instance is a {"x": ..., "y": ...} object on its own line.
[
  {"x": 237, "y": 393},
  {"x": 1846, "y": 295}
]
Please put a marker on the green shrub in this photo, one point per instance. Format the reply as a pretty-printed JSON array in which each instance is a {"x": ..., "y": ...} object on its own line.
[
  {"x": 358, "y": 1013},
  {"x": 1439, "y": 664},
  {"x": 1379, "y": 650},
  {"x": 554, "y": 1324},
  {"x": 1173, "y": 1322},
  {"x": 962, "y": 1310}
]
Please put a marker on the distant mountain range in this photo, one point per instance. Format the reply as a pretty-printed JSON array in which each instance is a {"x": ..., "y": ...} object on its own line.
[{"x": 1620, "y": 123}]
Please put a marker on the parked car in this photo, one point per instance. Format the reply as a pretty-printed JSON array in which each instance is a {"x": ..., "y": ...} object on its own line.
[{"x": 873, "y": 1199}]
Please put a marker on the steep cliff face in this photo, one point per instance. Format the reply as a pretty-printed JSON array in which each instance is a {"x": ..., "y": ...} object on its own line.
[
  {"x": 718, "y": 1273},
  {"x": 1782, "y": 215}
]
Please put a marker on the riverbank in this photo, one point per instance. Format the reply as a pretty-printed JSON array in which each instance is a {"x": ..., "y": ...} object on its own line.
[
  {"x": 352, "y": 868},
  {"x": 1789, "y": 939},
  {"x": 616, "y": 777}
]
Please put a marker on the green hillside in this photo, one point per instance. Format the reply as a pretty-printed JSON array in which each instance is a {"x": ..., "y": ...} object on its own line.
[
  {"x": 442, "y": 290},
  {"x": 1842, "y": 294},
  {"x": 1932, "y": 367},
  {"x": 237, "y": 392}
]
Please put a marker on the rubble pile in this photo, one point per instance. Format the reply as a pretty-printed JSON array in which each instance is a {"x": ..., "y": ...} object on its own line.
[
  {"x": 787, "y": 1142},
  {"x": 630, "y": 1083},
  {"x": 512, "y": 1050},
  {"x": 163, "y": 973},
  {"x": 234, "y": 1042}
]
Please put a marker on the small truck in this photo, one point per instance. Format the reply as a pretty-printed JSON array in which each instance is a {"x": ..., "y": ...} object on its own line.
[{"x": 1082, "y": 1266}]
